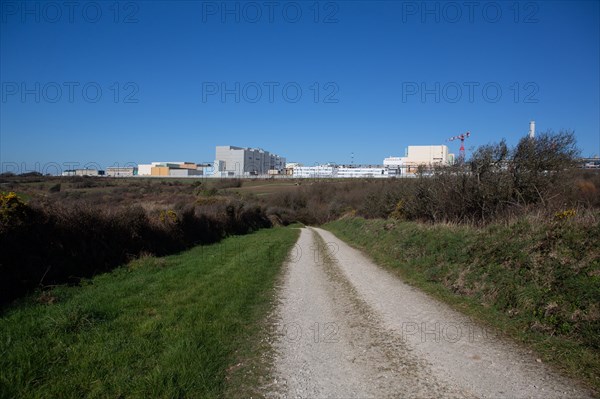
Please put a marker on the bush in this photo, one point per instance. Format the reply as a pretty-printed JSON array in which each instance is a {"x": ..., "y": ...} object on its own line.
[
  {"x": 499, "y": 182},
  {"x": 48, "y": 243},
  {"x": 537, "y": 164},
  {"x": 13, "y": 211}
]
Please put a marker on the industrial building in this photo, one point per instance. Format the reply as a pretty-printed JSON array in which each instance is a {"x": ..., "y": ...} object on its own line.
[
  {"x": 361, "y": 171},
  {"x": 317, "y": 171},
  {"x": 83, "y": 172},
  {"x": 174, "y": 169},
  {"x": 330, "y": 171},
  {"x": 231, "y": 161},
  {"x": 394, "y": 166},
  {"x": 406, "y": 166},
  {"x": 121, "y": 171},
  {"x": 426, "y": 156}
]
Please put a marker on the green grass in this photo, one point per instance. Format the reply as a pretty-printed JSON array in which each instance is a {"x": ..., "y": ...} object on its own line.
[
  {"x": 158, "y": 327},
  {"x": 538, "y": 283}
]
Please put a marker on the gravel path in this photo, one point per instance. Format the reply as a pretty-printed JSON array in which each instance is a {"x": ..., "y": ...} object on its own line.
[{"x": 349, "y": 329}]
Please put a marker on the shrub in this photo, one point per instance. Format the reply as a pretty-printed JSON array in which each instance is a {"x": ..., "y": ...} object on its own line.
[
  {"x": 13, "y": 211},
  {"x": 537, "y": 164},
  {"x": 499, "y": 182},
  {"x": 50, "y": 243}
]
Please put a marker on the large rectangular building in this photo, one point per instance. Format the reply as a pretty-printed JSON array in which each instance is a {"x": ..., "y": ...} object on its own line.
[
  {"x": 427, "y": 154},
  {"x": 174, "y": 169},
  {"x": 83, "y": 172},
  {"x": 231, "y": 161},
  {"x": 418, "y": 156},
  {"x": 315, "y": 172},
  {"x": 339, "y": 171},
  {"x": 121, "y": 171},
  {"x": 361, "y": 171}
]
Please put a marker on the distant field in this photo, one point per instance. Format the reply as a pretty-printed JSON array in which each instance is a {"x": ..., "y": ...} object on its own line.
[
  {"x": 158, "y": 327},
  {"x": 105, "y": 188},
  {"x": 266, "y": 187}
]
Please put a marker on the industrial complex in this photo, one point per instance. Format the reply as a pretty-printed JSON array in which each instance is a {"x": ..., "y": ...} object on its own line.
[
  {"x": 241, "y": 162},
  {"x": 245, "y": 162}
]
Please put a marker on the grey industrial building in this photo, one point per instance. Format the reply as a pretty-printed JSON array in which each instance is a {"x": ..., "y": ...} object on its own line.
[{"x": 231, "y": 161}]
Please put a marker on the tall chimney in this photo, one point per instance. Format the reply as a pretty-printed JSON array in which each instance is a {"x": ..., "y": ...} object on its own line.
[{"x": 531, "y": 129}]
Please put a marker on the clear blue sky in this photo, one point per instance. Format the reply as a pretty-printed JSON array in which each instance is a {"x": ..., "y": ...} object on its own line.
[{"x": 371, "y": 62}]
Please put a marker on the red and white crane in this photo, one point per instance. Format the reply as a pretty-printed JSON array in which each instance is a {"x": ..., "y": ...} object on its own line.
[{"x": 461, "y": 137}]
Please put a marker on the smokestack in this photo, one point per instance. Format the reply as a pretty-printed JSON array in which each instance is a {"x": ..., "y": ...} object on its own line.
[{"x": 531, "y": 129}]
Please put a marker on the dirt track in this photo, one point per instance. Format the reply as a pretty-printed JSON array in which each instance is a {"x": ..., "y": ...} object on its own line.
[{"x": 349, "y": 329}]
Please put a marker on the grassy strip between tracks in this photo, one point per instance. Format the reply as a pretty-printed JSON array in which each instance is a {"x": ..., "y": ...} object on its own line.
[
  {"x": 538, "y": 283},
  {"x": 158, "y": 327}
]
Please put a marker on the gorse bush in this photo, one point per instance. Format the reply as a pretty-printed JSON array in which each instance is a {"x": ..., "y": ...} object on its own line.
[{"x": 12, "y": 210}]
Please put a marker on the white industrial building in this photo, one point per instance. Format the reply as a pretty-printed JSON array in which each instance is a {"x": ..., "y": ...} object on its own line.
[
  {"x": 315, "y": 172},
  {"x": 231, "y": 161},
  {"x": 121, "y": 171},
  {"x": 83, "y": 172},
  {"x": 418, "y": 155},
  {"x": 361, "y": 171},
  {"x": 330, "y": 171},
  {"x": 394, "y": 166},
  {"x": 406, "y": 166},
  {"x": 144, "y": 169},
  {"x": 427, "y": 155}
]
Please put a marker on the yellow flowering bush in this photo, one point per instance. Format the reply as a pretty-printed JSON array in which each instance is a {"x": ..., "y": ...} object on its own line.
[
  {"x": 168, "y": 216},
  {"x": 399, "y": 212},
  {"x": 566, "y": 214},
  {"x": 11, "y": 207}
]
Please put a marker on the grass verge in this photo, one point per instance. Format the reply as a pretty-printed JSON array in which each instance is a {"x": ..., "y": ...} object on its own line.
[
  {"x": 158, "y": 327},
  {"x": 537, "y": 283}
]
